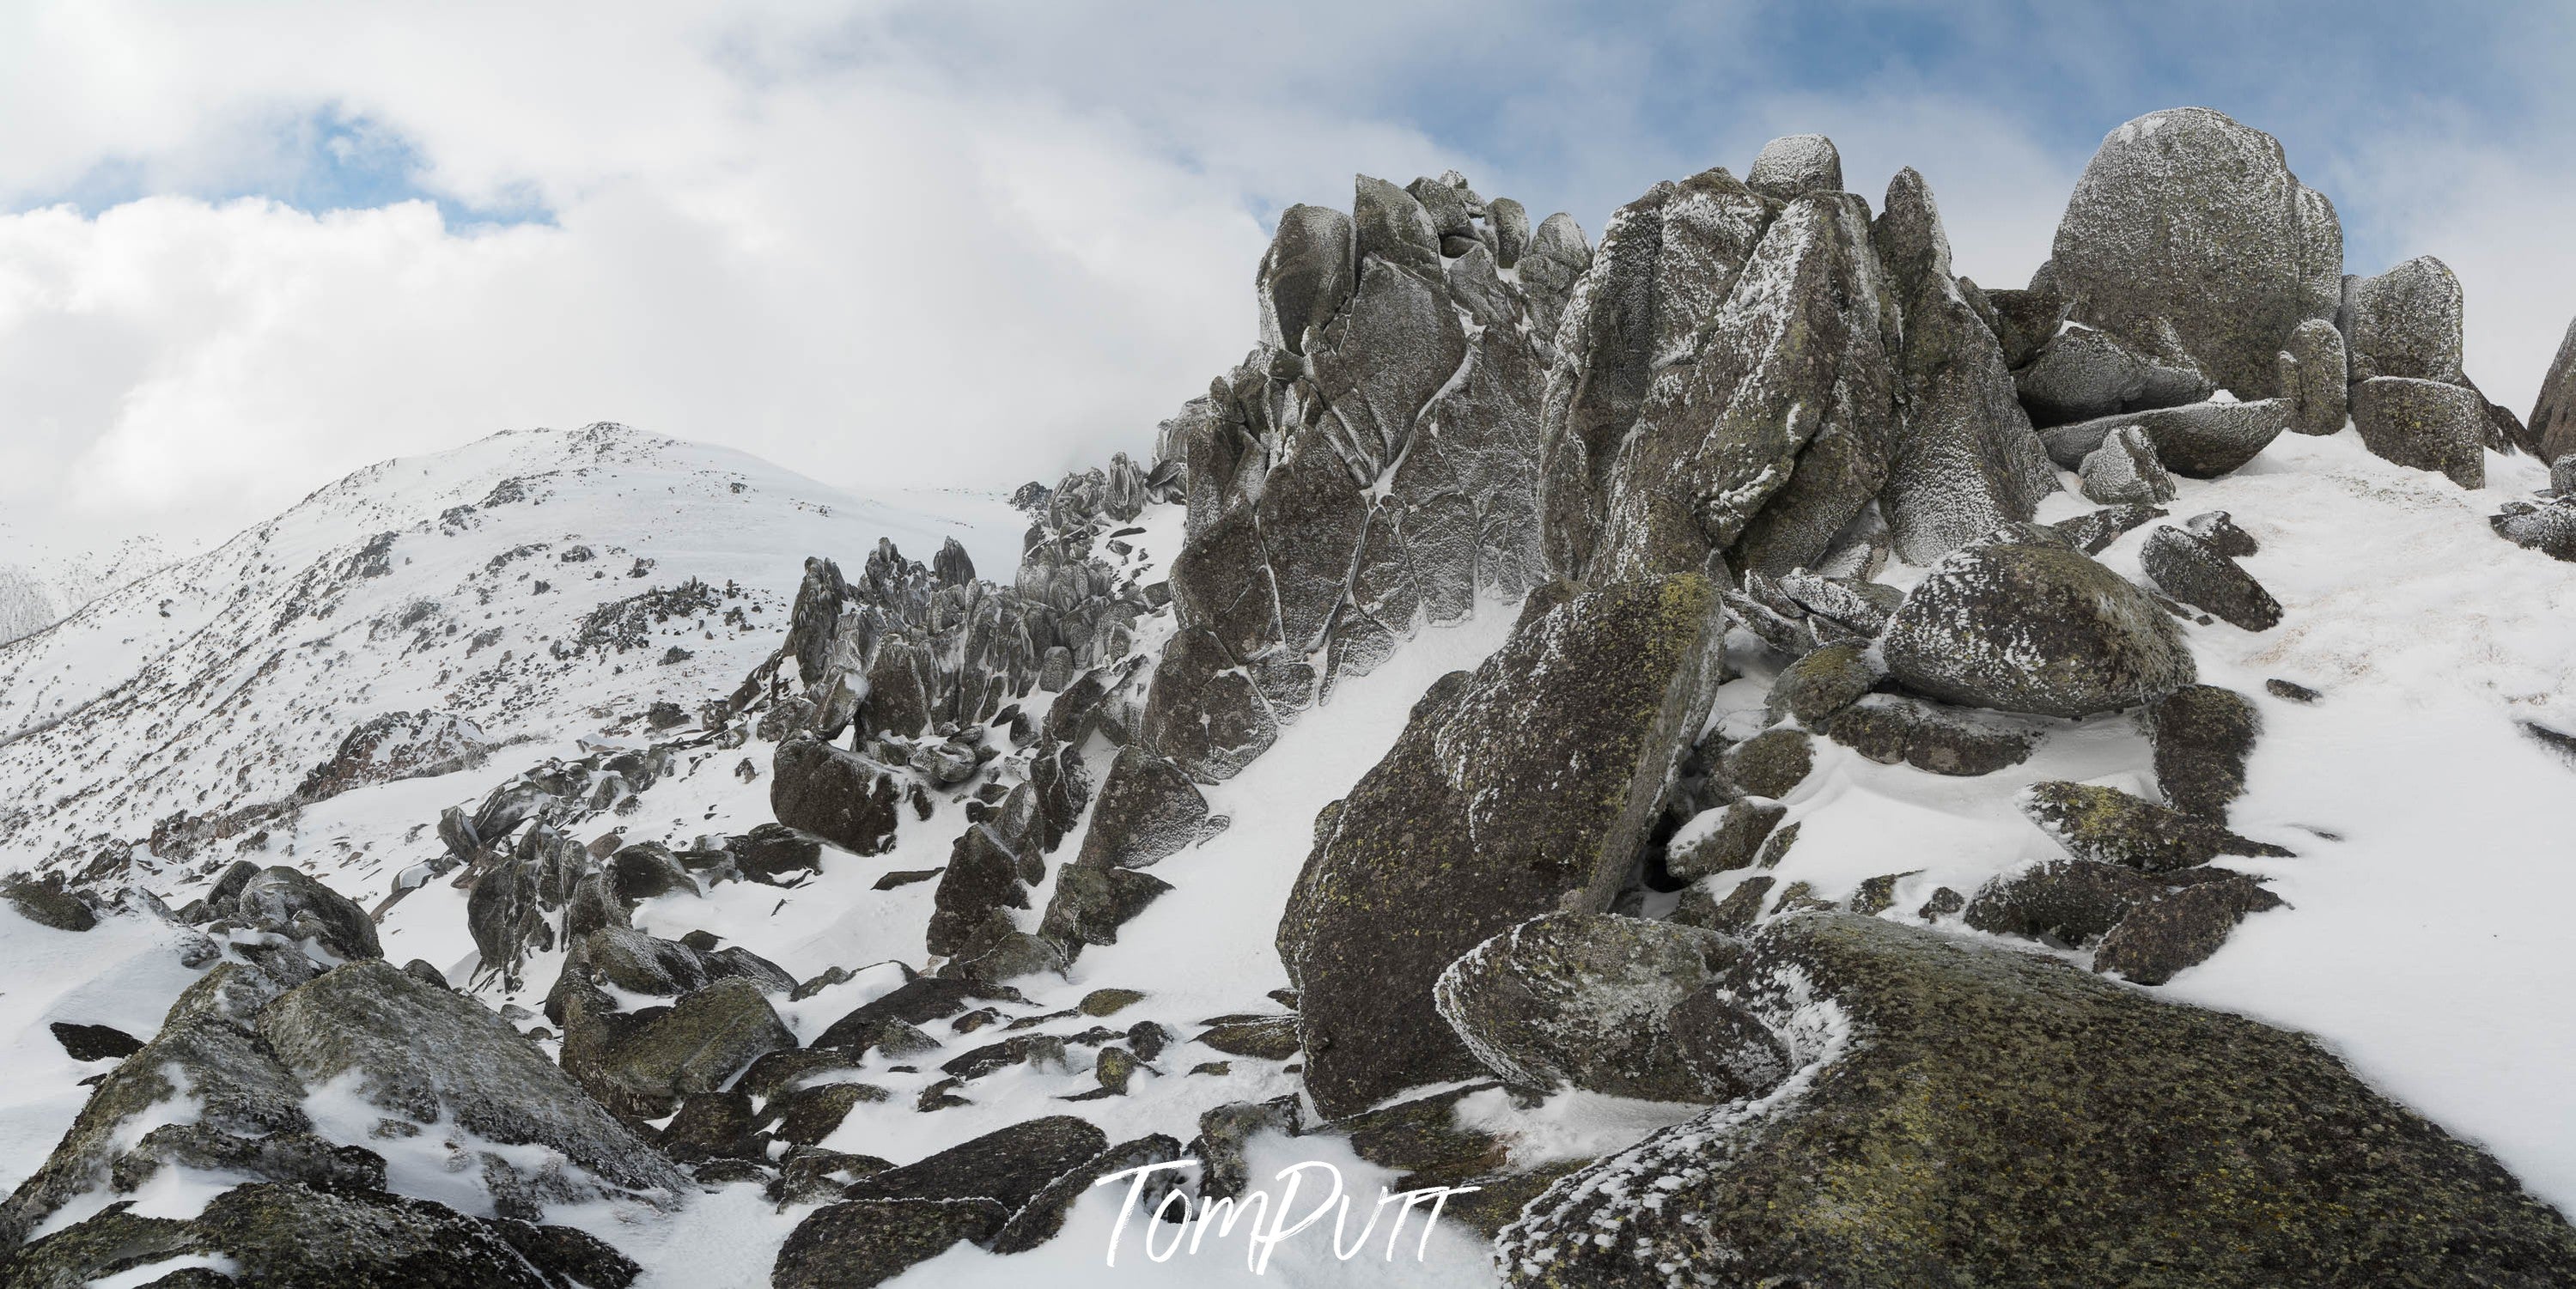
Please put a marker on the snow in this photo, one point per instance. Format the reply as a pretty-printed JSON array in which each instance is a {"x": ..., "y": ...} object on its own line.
[{"x": 123, "y": 972}]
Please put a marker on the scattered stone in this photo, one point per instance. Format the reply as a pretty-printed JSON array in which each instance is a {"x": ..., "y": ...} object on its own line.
[
  {"x": 1007, "y": 1166},
  {"x": 47, "y": 905},
  {"x": 1268, "y": 1038},
  {"x": 1723, "y": 839},
  {"x": 2093, "y": 531},
  {"x": 2124, "y": 471},
  {"x": 1888, "y": 729},
  {"x": 1878, "y": 894},
  {"x": 2109, "y": 825},
  {"x": 95, "y": 1042},
  {"x": 2033, "y": 628},
  {"x": 1822, "y": 683},
  {"x": 2549, "y": 529},
  {"x": 862, "y": 1243},
  {"x": 835, "y": 794},
  {"x": 2181, "y": 929},
  {"x": 1770, "y": 764},
  {"x": 2192, "y": 570},
  {"x": 1942, "y": 903},
  {"x": 2203, "y": 735},
  {"x": 2291, "y": 690},
  {"x": 2219, "y": 529}
]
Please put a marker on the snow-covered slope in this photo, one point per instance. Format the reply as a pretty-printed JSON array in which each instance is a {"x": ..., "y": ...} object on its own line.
[{"x": 531, "y": 585}]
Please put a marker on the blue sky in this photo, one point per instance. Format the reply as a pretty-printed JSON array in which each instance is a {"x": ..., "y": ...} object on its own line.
[{"x": 247, "y": 247}]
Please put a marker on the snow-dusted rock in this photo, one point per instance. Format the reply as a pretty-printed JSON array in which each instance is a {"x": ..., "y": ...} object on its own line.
[
  {"x": 2314, "y": 377},
  {"x": 2109, "y": 1129},
  {"x": 835, "y": 794},
  {"x": 2190, "y": 569},
  {"x": 1306, "y": 275},
  {"x": 1796, "y": 164},
  {"x": 2086, "y": 372},
  {"x": 2553, "y": 413},
  {"x": 2405, "y": 322},
  {"x": 1962, "y": 458},
  {"x": 1722, "y": 840},
  {"x": 2112, "y": 827},
  {"x": 1822, "y": 683},
  {"x": 1590, "y": 1000},
  {"x": 2093, "y": 531},
  {"x": 292, "y": 1237},
  {"x": 2196, "y": 440},
  {"x": 2179, "y": 929},
  {"x": 2203, "y": 735},
  {"x": 2033, "y": 628},
  {"x": 1558, "y": 254},
  {"x": 1889, "y": 728},
  {"x": 2187, "y": 217},
  {"x": 2426, "y": 424},
  {"x": 859, "y": 1243},
  {"x": 1475, "y": 821},
  {"x": 2125, "y": 471},
  {"x": 1390, "y": 225},
  {"x": 2549, "y": 528}
]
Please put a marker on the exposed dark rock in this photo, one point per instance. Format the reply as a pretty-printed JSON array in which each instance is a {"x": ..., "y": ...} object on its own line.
[
  {"x": 1148, "y": 810},
  {"x": 2219, "y": 529},
  {"x": 294, "y": 905},
  {"x": 2203, "y": 735},
  {"x": 2553, "y": 413},
  {"x": 1822, "y": 683},
  {"x": 860, "y": 1243},
  {"x": 1609, "y": 1004},
  {"x": 1724, "y": 839},
  {"x": 2292, "y": 690},
  {"x": 289, "y": 1237},
  {"x": 1008, "y": 1166},
  {"x": 2110, "y": 1131},
  {"x": 1888, "y": 729},
  {"x": 918, "y": 1002},
  {"x": 2426, "y": 424},
  {"x": 1224, "y": 1132},
  {"x": 713, "y": 1125},
  {"x": 1770, "y": 764},
  {"x": 1267, "y": 1038},
  {"x": 47, "y": 905},
  {"x": 2033, "y": 628},
  {"x": 95, "y": 1042},
  {"x": 1475, "y": 821},
  {"x": 1202, "y": 713},
  {"x": 2180, "y": 929},
  {"x": 2196, "y": 440},
  {"x": 2093, "y": 531},
  {"x": 773, "y": 853},
  {"x": 2113, "y": 827},
  {"x": 643, "y": 1066},
  {"x": 2549, "y": 528},
  {"x": 982, "y": 878},
  {"x": 1038, "y": 1220},
  {"x": 807, "y": 1115},
  {"x": 2188, "y": 232},
  {"x": 835, "y": 794},
  {"x": 1732, "y": 914},
  {"x": 2070, "y": 901},
  {"x": 2191, "y": 570}
]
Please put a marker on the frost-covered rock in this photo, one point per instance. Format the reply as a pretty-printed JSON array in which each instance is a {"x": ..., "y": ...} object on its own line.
[
  {"x": 2033, "y": 628},
  {"x": 835, "y": 794},
  {"x": 1722, "y": 840},
  {"x": 1475, "y": 821},
  {"x": 2125, "y": 471},
  {"x": 860, "y": 1243},
  {"x": 1822, "y": 683},
  {"x": 1888, "y": 729},
  {"x": 2112, "y": 827},
  {"x": 2405, "y": 322},
  {"x": 2111, "y": 1130},
  {"x": 2315, "y": 377},
  {"x": 2192, "y": 570},
  {"x": 397, "y": 745},
  {"x": 1794, "y": 165},
  {"x": 1609, "y": 1004},
  {"x": 2549, "y": 528},
  {"x": 2426, "y": 424},
  {"x": 291, "y": 903},
  {"x": 2187, "y": 220},
  {"x": 1962, "y": 459},
  {"x": 1008, "y": 1166},
  {"x": 2086, "y": 372},
  {"x": 2093, "y": 531},
  {"x": 2197, "y": 440},
  {"x": 1558, "y": 255},
  {"x": 2553, "y": 413},
  {"x": 1306, "y": 275}
]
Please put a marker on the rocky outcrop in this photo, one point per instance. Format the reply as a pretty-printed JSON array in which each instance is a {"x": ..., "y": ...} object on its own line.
[
  {"x": 2033, "y": 628},
  {"x": 2112, "y": 1132},
  {"x": 2189, "y": 235},
  {"x": 1476, "y": 821},
  {"x": 1962, "y": 459}
]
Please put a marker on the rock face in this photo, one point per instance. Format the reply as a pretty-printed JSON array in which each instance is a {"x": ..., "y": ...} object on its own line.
[
  {"x": 1609, "y": 1004},
  {"x": 2112, "y": 1132},
  {"x": 2426, "y": 424},
  {"x": 2405, "y": 322},
  {"x": 2033, "y": 628},
  {"x": 1723, "y": 385},
  {"x": 1476, "y": 821},
  {"x": 1963, "y": 459},
  {"x": 2188, "y": 233},
  {"x": 2553, "y": 413}
]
